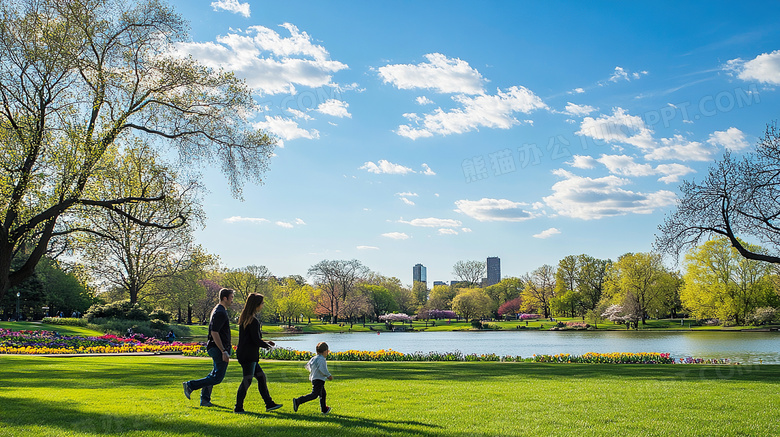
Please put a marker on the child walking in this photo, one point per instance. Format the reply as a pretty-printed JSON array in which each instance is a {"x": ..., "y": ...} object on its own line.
[{"x": 318, "y": 373}]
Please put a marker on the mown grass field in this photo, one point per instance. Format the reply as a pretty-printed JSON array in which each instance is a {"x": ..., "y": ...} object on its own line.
[{"x": 142, "y": 396}]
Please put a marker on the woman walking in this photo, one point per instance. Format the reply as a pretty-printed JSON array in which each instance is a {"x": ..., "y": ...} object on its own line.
[{"x": 250, "y": 341}]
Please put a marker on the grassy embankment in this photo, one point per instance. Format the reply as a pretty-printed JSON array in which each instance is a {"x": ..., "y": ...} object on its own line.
[{"x": 142, "y": 396}]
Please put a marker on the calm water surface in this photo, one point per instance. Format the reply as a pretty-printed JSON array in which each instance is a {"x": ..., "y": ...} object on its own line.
[{"x": 743, "y": 347}]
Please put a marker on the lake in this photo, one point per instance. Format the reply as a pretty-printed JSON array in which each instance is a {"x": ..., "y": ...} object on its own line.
[{"x": 743, "y": 347}]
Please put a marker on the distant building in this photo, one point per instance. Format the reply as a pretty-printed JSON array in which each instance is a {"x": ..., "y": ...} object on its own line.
[
  {"x": 419, "y": 274},
  {"x": 493, "y": 271},
  {"x": 458, "y": 283},
  {"x": 435, "y": 283}
]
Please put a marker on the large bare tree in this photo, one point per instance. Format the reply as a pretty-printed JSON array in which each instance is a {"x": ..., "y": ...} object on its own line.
[
  {"x": 337, "y": 279},
  {"x": 739, "y": 199},
  {"x": 469, "y": 271},
  {"x": 79, "y": 77}
]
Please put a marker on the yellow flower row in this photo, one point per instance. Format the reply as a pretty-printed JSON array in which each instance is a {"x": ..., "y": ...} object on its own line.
[{"x": 29, "y": 350}]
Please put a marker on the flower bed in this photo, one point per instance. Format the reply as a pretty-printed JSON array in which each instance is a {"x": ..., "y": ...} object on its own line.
[{"x": 47, "y": 342}]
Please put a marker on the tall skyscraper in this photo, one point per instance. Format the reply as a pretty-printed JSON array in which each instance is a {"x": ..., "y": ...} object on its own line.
[
  {"x": 419, "y": 273},
  {"x": 493, "y": 270}
]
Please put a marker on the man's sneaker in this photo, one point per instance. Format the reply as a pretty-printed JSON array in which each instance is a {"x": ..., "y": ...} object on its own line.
[
  {"x": 206, "y": 404},
  {"x": 238, "y": 410},
  {"x": 187, "y": 389},
  {"x": 274, "y": 407},
  {"x": 327, "y": 410},
  {"x": 295, "y": 404}
]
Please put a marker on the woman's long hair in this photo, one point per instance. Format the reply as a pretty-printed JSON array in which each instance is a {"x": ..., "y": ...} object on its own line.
[{"x": 253, "y": 303}]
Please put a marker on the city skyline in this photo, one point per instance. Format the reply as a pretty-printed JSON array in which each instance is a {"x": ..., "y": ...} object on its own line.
[{"x": 536, "y": 130}]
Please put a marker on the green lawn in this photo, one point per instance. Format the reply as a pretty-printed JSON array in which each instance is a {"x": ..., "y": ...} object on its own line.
[
  {"x": 142, "y": 396},
  {"x": 62, "y": 329}
]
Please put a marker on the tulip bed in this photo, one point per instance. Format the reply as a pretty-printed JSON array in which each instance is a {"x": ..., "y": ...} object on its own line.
[{"x": 47, "y": 342}]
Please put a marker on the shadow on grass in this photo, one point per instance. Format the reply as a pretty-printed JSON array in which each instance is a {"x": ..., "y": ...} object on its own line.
[
  {"x": 541, "y": 371},
  {"x": 69, "y": 419}
]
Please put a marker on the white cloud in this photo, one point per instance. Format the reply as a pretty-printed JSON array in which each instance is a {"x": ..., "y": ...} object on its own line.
[
  {"x": 577, "y": 91},
  {"x": 732, "y": 138},
  {"x": 492, "y": 111},
  {"x": 578, "y": 110},
  {"x": 286, "y": 129},
  {"x": 336, "y": 108},
  {"x": 444, "y": 231},
  {"x": 270, "y": 63},
  {"x": 624, "y": 165},
  {"x": 440, "y": 73},
  {"x": 299, "y": 221},
  {"x": 396, "y": 235},
  {"x": 422, "y": 100},
  {"x": 490, "y": 210},
  {"x": 299, "y": 114},
  {"x": 385, "y": 167},
  {"x": 432, "y": 222},
  {"x": 547, "y": 233},
  {"x": 407, "y": 194},
  {"x": 427, "y": 170},
  {"x": 678, "y": 148},
  {"x": 620, "y": 127},
  {"x": 465, "y": 230},
  {"x": 764, "y": 68},
  {"x": 587, "y": 198},
  {"x": 284, "y": 224},
  {"x": 367, "y": 248},
  {"x": 238, "y": 219},
  {"x": 407, "y": 201},
  {"x": 232, "y": 6},
  {"x": 582, "y": 161},
  {"x": 621, "y": 73},
  {"x": 673, "y": 172}
]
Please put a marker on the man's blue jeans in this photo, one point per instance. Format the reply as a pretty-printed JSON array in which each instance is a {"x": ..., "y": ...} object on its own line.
[{"x": 215, "y": 377}]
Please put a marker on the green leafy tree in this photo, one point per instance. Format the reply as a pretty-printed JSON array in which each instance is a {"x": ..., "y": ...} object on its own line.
[
  {"x": 381, "y": 300},
  {"x": 247, "y": 280},
  {"x": 636, "y": 281},
  {"x": 294, "y": 300},
  {"x": 720, "y": 283},
  {"x": 81, "y": 78},
  {"x": 420, "y": 294},
  {"x": 506, "y": 290},
  {"x": 539, "y": 289},
  {"x": 471, "y": 303},
  {"x": 441, "y": 297}
]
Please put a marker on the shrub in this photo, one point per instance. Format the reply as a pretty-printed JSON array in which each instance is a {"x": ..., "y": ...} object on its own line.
[
  {"x": 161, "y": 314},
  {"x": 476, "y": 324},
  {"x": 122, "y": 309},
  {"x": 158, "y": 324},
  {"x": 64, "y": 321}
]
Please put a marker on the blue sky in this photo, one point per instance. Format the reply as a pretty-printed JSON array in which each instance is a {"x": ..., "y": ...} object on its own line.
[{"x": 438, "y": 131}]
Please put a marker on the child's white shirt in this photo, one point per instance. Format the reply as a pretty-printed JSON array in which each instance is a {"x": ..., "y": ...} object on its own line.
[{"x": 318, "y": 368}]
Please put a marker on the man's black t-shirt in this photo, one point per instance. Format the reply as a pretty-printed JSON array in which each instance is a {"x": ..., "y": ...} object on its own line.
[{"x": 220, "y": 322}]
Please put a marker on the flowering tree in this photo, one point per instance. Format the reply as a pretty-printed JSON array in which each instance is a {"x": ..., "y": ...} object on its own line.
[
  {"x": 510, "y": 307},
  {"x": 395, "y": 317},
  {"x": 437, "y": 314}
]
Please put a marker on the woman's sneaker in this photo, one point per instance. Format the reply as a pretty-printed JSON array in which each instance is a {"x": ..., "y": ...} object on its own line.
[{"x": 327, "y": 410}]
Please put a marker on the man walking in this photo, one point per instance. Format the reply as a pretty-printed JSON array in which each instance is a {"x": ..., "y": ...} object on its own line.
[{"x": 218, "y": 348}]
